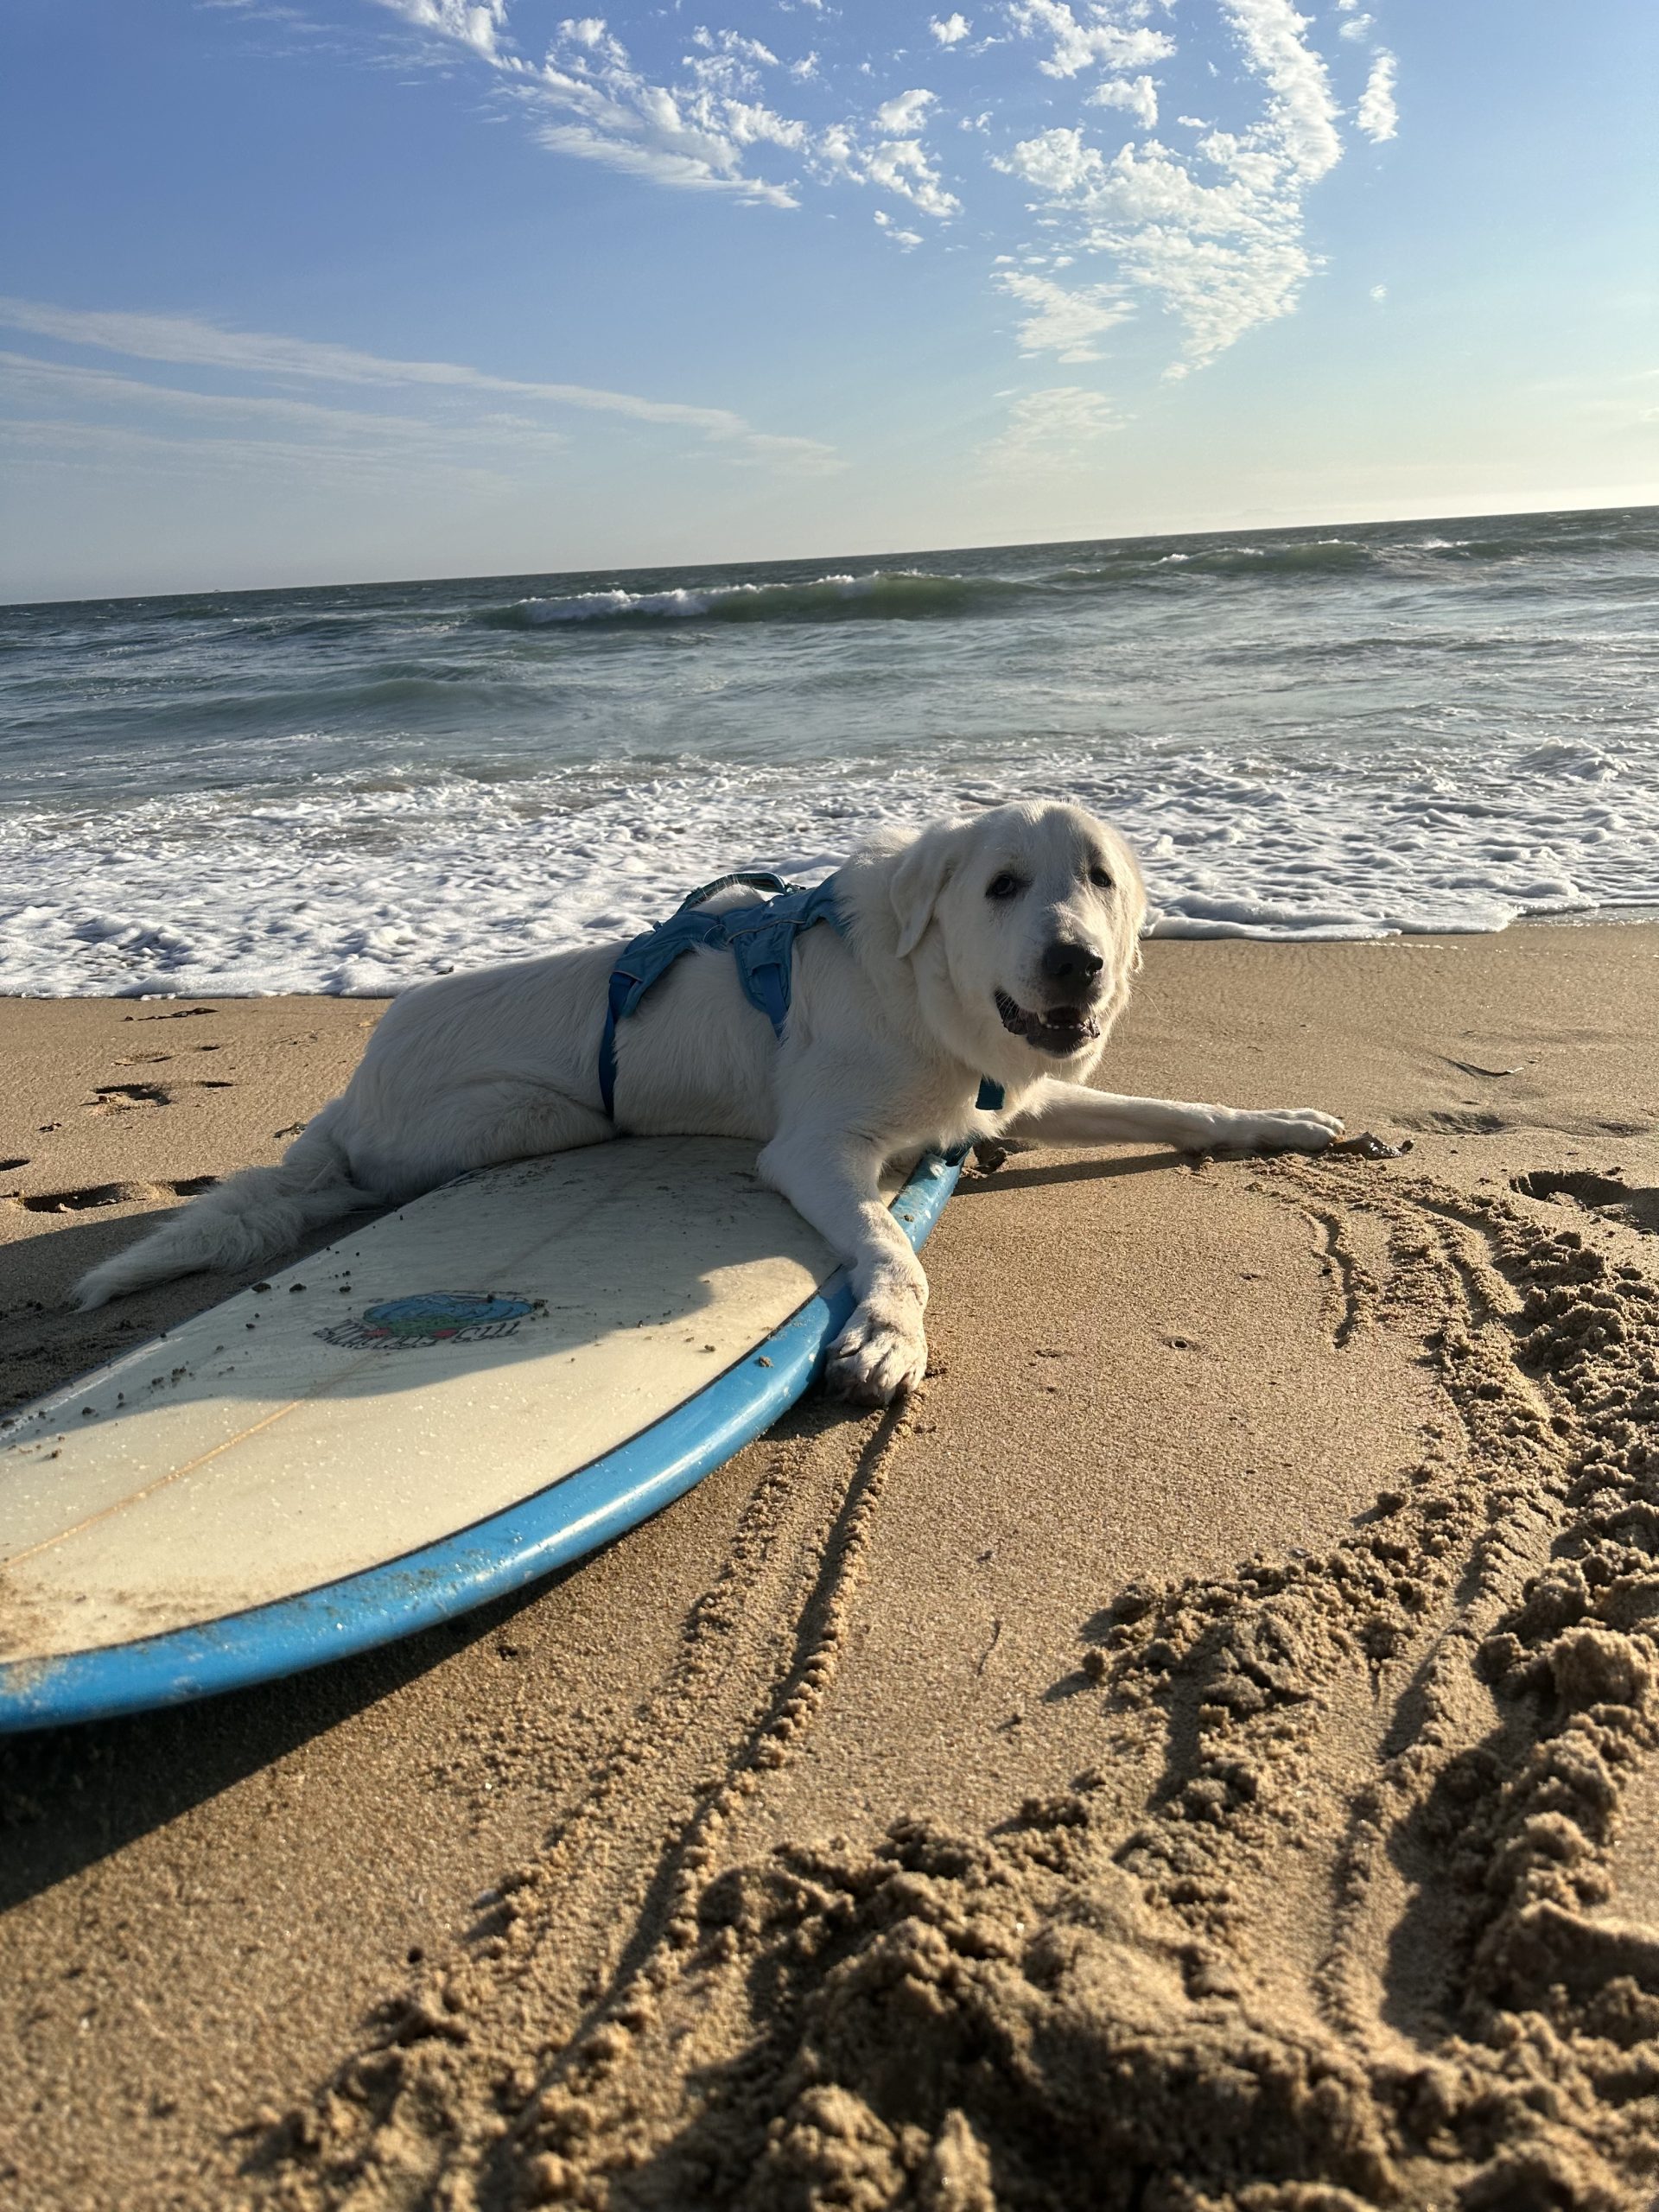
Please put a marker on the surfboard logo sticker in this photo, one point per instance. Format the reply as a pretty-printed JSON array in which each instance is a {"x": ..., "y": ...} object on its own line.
[{"x": 431, "y": 1317}]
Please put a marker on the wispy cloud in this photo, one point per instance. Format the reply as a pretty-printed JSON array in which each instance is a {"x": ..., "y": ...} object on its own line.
[
  {"x": 27, "y": 378},
  {"x": 1376, "y": 114},
  {"x": 1064, "y": 321},
  {"x": 703, "y": 127},
  {"x": 952, "y": 30},
  {"x": 1048, "y": 432},
  {"x": 70, "y": 442},
  {"x": 187, "y": 340},
  {"x": 695, "y": 134}
]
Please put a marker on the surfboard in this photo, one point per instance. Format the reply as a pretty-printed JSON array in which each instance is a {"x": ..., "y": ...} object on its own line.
[{"x": 441, "y": 1408}]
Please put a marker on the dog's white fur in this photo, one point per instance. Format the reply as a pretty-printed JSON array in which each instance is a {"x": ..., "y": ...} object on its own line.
[{"x": 890, "y": 1030}]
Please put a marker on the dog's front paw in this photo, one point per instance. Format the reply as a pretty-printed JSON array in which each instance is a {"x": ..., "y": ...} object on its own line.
[
  {"x": 880, "y": 1354},
  {"x": 1294, "y": 1128}
]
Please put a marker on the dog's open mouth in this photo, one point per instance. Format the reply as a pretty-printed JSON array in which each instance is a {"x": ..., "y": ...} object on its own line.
[{"x": 1058, "y": 1029}]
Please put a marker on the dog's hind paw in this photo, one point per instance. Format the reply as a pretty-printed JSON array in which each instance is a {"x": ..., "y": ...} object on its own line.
[{"x": 880, "y": 1355}]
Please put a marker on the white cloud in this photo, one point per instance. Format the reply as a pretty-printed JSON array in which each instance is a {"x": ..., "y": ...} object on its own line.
[
  {"x": 1217, "y": 236},
  {"x": 1059, "y": 162},
  {"x": 693, "y": 135},
  {"x": 187, "y": 341},
  {"x": 1049, "y": 430},
  {"x": 901, "y": 166},
  {"x": 1214, "y": 234},
  {"x": 476, "y": 23},
  {"x": 1137, "y": 94},
  {"x": 1358, "y": 27},
  {"x": 734, "y": 42},
  {"x": 1379, "y": 293},
  {"x": 1376, "y": 114},
  {"x": 589, "y": 101},
  {"x": 63, "y": 441},
  {"x": 1065, "y": 321},
  {"x": 1109, "y": 37},
  {"x": 899, "y": 117},
  {"x": 906, "y": 239},
  {"x": 1303, "y": 113},
  {"x": 28, "y": 377}
]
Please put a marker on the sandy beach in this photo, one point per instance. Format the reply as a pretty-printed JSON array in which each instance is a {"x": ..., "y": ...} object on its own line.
[{"x": 1199, "y": 1751}]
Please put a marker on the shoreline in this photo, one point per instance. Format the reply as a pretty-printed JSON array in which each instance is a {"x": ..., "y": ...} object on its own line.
[
  {"x": 1635, "y": 914},
  {"x": 565, "y": 1814}
]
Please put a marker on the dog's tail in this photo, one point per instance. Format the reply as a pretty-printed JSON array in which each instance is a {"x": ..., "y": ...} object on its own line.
[{"x": 246, "y": 1219}]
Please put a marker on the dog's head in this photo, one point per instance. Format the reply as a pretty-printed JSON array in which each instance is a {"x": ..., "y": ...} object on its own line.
[{"x": 1023, "y": 929}]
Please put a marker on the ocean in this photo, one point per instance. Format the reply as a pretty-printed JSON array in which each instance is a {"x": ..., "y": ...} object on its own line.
[{"x": 1315, "y": 733}]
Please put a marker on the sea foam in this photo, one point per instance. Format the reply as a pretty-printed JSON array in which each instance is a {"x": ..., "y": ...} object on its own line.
[{"x": 1353, "y": 734}]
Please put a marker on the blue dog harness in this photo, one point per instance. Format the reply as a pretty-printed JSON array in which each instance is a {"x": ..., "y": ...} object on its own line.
[{"x": 760, "y": 937}]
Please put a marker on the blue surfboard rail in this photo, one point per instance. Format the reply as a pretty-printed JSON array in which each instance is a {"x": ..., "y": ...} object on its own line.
[{"x": 550, "y": 1528}]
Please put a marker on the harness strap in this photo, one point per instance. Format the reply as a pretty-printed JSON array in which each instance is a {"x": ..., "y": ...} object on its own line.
[
  {"x": 760, "y": 937},
  {"x": 989, "y": 1101}
]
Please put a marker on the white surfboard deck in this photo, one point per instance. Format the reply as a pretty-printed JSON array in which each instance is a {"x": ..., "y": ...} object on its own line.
[{"x": 415, "y": 1380}]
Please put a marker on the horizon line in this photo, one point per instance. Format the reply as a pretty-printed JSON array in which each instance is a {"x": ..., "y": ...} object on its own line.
[{"x": 786, "y": 560}]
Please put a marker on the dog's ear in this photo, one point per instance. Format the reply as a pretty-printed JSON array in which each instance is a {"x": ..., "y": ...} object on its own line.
[
  {"x": 1132, "y": 892},
  {"x": 920, "y": 875}
]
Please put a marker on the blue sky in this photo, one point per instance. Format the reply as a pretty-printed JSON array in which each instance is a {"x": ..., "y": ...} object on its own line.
[{"x": 315, "y": 291}]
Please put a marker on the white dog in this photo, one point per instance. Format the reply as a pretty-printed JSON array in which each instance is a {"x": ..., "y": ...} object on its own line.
[{"x": 994, "y": 951}]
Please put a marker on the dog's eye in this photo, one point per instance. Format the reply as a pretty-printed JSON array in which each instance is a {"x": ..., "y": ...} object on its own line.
[
  {"x": 1100, "y": 878},
  {"x": 1004, "y": 887}
]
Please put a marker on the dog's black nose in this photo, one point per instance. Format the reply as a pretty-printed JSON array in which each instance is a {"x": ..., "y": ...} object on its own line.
[{"x": 1071, "y": 963}]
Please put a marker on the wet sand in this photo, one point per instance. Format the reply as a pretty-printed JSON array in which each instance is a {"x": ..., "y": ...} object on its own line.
[{"x": 1199, "y": 1752}]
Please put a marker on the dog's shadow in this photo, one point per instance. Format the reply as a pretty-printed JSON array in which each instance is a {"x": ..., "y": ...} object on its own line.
[{"x": 1018, "y": 1175}]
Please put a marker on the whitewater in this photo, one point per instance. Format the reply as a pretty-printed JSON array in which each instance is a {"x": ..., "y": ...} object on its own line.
[{"x": 1325, "y": 732}]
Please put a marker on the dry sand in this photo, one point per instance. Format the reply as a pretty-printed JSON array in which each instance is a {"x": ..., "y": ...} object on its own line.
[{"x": 1201, "y": 1752}]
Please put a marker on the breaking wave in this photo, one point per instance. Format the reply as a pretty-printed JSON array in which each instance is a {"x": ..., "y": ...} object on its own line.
[
  {"x": 884, "y": 594},
  {"x": 1339, "y": 731}
]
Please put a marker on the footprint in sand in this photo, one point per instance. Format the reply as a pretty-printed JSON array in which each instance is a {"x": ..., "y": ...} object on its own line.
[
  {"x": 129, "y": 1098},
  {"x": 1605, "y": 1195},
  {"x": 126, "y": 1097},
  {"x": 114, "y": 1194},
  {"x": 1454, "y": 1123}
]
